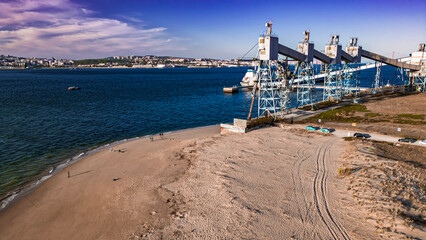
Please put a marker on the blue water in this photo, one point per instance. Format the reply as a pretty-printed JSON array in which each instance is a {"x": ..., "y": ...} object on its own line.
[{"x": 42, "y": 123}]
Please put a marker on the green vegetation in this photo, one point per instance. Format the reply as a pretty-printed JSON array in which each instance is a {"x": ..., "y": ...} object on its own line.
[
  {"x": 403, "y": 121},
  {"x": 354, "y": 108},
  {"x": 413, "y": 116},
  {"x": 341, "y": 114}
]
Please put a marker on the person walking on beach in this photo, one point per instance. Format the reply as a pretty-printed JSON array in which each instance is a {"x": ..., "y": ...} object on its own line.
[{"x": 68, "y": 174}]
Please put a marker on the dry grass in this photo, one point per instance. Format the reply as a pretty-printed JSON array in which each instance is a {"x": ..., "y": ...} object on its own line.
[{"x": 345, "y": 171}]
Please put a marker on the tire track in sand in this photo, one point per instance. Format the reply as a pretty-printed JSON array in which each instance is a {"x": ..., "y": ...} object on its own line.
[
  {"x": 298, "y": 190},
  {"x": 320, "y": 194}
]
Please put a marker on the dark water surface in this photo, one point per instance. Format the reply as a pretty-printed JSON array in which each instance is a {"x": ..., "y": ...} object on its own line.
[{"x": 42, "y": 123}]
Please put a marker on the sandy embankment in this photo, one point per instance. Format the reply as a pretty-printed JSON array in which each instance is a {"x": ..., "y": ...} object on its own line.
[{"x": 91, "y": 205}]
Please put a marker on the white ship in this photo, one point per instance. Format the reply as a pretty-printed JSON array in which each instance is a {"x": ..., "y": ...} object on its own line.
[{"x": 248, "y": 79}]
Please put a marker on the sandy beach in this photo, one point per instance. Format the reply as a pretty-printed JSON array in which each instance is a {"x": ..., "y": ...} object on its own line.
[
  {"x": 272, "y": 183},
  {"x": 276, "y": 182},
  {"x": 91, "y": 205}
]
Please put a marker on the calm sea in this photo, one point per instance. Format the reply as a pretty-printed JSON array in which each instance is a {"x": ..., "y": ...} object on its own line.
[{"x": 42, "y": 123}]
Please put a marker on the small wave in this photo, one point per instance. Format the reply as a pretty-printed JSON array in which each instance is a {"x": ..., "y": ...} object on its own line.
[
  {"x": 8, "y": 200},
  {"x": 43, "y": 179},
  {"x": 78, "y": 156}
]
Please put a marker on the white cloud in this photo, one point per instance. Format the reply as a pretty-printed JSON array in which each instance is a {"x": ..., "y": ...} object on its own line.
[
  {"x": 86, "y": 11},
  {"x": 63, "y": 29}
]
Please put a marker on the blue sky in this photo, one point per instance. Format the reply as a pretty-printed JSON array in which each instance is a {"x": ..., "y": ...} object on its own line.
[{"x": 217, "y": 29}]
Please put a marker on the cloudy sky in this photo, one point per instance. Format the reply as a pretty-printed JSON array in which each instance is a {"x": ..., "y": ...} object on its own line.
[{"x": 80, "y": 29}]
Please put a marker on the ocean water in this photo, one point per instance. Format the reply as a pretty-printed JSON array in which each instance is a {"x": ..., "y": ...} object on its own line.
[{"x": 43, "y": 124}]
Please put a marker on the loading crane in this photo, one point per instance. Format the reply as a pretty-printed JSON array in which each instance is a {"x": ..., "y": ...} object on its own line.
[{"x": 273, "y": 90}]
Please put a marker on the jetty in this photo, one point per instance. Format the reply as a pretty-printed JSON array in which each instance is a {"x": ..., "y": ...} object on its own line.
[{"x": 235, "y": 89}]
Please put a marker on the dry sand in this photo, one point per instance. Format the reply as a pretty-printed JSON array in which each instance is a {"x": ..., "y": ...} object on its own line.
[
  {"x": 271, "y": 183},
  {"x": 408, "y": 104}
]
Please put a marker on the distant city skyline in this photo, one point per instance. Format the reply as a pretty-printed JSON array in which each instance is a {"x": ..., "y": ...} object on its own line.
[{"x": 77, "y": 29}]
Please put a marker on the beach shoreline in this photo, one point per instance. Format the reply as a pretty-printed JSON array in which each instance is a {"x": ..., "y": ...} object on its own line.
[
  {"x": 108, "y": 175},
  {"x": 16, "y": 195}
]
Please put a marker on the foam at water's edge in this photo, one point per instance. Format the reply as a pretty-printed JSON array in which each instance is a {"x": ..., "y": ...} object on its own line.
[{"x": 7, "y": 200}]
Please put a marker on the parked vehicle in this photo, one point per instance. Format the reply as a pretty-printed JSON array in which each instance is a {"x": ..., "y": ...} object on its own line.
[
  {"x": 423, "y": 142},
  {"x": 361, "y": 135},
  {"x": 409, "y": 140},
  {"x": 312, "y": 128},
  {"x": 325, "y": 130}
]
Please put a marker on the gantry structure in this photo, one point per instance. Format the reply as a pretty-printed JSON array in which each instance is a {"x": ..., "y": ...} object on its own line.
[{"x": 340, "y": 71}]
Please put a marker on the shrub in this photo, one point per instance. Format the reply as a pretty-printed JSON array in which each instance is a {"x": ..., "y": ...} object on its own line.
[{"x": 345, "y": 171}]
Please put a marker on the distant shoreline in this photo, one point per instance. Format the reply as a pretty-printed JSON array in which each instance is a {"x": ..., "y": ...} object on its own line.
[{"x": 121, "y": 67}]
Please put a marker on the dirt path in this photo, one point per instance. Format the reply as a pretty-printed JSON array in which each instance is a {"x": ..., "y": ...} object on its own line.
[
  {"x": 373, "y": 135},
  {"x": 268, "y": 184}
]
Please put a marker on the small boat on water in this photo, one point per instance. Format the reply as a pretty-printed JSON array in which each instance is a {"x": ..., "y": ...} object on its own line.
[
  {"x": 248, "y": 79},
  {"x": 73, "y": 88}
]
